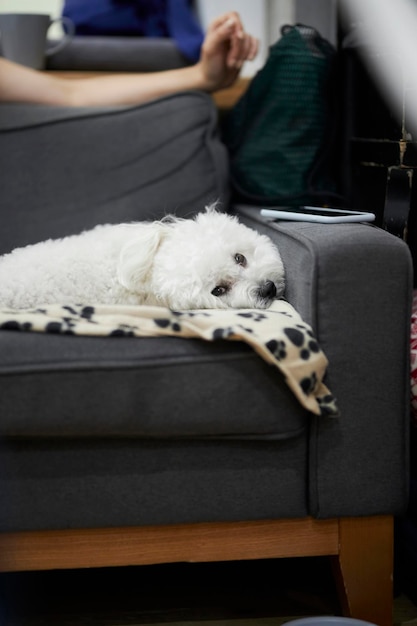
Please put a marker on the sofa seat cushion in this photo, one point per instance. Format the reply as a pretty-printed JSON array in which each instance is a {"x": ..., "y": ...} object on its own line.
[
  {"x": 75, "y": 386},
  {"x": 277, "y": 334}
]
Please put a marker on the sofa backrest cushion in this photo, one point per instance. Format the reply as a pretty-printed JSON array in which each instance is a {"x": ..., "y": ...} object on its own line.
[{"x": 63, "y": 170}]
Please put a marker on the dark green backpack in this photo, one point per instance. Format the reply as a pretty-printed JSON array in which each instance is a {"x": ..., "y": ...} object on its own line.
[{"x": 281, "y": 134}]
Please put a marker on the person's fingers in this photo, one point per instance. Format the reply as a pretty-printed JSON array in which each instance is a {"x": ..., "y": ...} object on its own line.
[
  {"x": 253, "y": 49},
  {"x": 236, "y": 50},
  {"x": 227, "y": 36},
  {"x": 218, "y": 34},
  {"x": 230, "y": 18},
  {"x": 244, "y": 49},
  {"x": 226, "y": 23}
]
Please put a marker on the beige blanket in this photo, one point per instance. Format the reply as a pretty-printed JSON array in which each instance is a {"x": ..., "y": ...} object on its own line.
[{"x": 278, "y": 335}]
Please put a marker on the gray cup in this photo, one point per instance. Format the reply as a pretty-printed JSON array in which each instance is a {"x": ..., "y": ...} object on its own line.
[{"x": 23, "y": 37}]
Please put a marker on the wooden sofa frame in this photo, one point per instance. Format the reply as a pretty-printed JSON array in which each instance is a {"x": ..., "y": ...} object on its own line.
[{"x": 361, "y": 550}]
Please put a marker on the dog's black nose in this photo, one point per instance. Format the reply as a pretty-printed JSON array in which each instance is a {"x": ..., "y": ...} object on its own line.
[{"x": 268, "y": 290}]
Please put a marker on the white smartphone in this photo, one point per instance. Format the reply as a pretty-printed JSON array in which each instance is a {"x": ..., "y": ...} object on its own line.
[{"x": 317, "y": 214}]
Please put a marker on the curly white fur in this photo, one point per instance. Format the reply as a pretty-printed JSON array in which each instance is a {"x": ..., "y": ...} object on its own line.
[{"x": 211, "y": 261}]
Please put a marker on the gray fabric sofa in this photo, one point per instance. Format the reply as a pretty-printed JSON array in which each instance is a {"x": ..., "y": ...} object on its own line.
[
  {"x": 116, "y": 54},
  {"x": 118, "y": 451}
]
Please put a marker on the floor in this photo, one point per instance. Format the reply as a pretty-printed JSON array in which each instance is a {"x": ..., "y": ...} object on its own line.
[{"x": 262, "y": 593}]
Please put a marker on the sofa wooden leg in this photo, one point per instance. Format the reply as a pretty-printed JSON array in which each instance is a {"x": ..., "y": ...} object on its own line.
[{"x": 364, "y": 568}]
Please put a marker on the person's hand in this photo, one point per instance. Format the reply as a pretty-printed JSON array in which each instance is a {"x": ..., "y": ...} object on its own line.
[{"x": 225, "y": 48}]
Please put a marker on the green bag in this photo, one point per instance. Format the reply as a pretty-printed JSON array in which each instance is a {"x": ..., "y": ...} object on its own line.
[{"x": 281, "y": 134}]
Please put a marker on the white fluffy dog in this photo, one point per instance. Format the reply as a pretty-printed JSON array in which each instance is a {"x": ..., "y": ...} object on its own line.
[{"x": 211, "y": 261}]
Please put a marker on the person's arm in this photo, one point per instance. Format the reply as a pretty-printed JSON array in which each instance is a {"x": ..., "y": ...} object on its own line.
[{"x": 226, "y": 47}]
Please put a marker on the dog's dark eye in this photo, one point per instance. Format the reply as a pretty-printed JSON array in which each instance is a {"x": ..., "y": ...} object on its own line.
[
  {"x": 240, "y": 259},
  {"x": 219, "y": 291}
]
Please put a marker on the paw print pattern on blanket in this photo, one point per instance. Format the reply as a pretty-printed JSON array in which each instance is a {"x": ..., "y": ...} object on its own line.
[
  {"x": 302, "y": 338},
  {"x": 278, "y": 335}
]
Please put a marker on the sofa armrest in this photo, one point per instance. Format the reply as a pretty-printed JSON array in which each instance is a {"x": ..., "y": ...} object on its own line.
[{"x": 353, "y": 284}]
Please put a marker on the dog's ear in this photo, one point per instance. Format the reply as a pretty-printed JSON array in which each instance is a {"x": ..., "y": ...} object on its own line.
[{"x": 136, "y": 257}]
